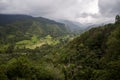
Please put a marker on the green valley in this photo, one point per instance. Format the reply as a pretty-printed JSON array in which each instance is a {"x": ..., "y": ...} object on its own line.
[{"x": 35, "y": 48}]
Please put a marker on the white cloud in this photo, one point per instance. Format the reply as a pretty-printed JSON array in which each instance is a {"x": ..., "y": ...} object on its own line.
[{"x": 84, "y": 11}]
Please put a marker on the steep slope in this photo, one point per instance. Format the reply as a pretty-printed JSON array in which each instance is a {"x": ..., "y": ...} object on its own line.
[
  {"x": 95, "y": 55},
  {"x": 10, "y": 18},
  {"x": 24, "y": 25},
  {"x": 24, "y": 29}
]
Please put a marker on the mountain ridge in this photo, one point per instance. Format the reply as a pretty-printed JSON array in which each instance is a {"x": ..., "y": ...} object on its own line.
[{"x": 9, "y": 18}]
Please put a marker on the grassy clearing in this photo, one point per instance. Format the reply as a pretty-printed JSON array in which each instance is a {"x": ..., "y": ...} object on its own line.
[
  {"x": 36, "y": 42},
  {"x": 23, "y": 42}
]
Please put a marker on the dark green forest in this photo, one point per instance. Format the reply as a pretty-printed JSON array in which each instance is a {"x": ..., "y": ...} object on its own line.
[{"x": 60, "y": 55}]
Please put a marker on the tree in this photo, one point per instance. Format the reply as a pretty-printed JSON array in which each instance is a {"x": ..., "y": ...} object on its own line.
[{"x": 117, "y": 19}]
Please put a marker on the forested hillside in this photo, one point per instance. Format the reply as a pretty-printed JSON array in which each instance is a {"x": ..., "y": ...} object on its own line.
[
  {"x": 24, "y": 25},
  {"x": 23, "y": 31},
  {"x": 93, "y": 55}
]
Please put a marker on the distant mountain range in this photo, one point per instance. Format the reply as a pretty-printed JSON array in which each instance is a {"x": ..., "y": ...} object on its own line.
[
  {"x": 72, "y": 26},
  {"x": 77, "y": 26},
  {"x": 25, "y": 25}
]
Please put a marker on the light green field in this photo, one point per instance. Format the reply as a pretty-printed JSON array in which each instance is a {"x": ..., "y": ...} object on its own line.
[{"x": 36, "y": 42}]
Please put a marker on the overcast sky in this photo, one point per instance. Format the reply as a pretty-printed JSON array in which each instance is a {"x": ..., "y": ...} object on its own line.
[{"x": 83, "y": 11}]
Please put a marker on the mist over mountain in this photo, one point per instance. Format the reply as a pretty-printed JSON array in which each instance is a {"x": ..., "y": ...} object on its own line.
[
  {"x": 73, "y": 26},
  {"x": 78, "y": 27}
]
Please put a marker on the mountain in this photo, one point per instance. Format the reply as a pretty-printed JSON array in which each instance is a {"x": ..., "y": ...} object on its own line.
[
  {"x": 27, "y": 31},
  {"x": 94, "y": 55},
  {"x": 77, "y": 27},
  {"x": 73, "y": 26},
  {"x": 25, "y": 25},
  {"x": 10, "y": 18}
]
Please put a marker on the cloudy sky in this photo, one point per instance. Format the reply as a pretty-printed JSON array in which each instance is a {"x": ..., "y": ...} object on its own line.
[{"x": 83, "y": 11}]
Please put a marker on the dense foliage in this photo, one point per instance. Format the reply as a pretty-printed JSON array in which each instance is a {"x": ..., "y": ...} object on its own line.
[
  {"x": 23, "y": 29},
  {"x": 94, "y": 55}
]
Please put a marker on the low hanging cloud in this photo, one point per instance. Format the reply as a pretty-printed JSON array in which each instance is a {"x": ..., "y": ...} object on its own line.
[{"x": 84, "y": 11}]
